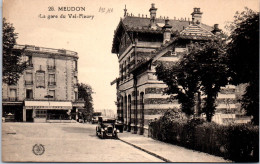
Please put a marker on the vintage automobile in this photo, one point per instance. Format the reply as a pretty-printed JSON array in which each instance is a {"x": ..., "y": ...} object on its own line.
[
  {"x": 106, "y": 128},
  {"x": 94, "y": 119}
]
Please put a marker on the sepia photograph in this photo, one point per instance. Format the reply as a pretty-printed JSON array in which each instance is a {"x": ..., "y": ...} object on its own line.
[{"x": 130, "y": 81}]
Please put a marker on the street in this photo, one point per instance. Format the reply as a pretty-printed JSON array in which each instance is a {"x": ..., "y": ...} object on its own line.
[{"x": 65, "y": 142}]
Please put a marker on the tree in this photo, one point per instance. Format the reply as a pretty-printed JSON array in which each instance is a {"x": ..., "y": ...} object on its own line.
[
  {"x": 243, "y": 50},
  {"x": 210, "y": 62},
  {"x": 182, "y": 82},
  {"x": 12, "y": 65},
  {"x": 203, "y": 68},
  {"x": 85, "y": 92}
]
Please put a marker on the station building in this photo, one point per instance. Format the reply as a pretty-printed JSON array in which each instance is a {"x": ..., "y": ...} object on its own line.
[
  {"x": 139, "y": 43},
  {"x": 47, "y": 90}
]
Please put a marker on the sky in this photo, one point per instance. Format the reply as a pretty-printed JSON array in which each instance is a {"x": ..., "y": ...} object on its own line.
[{"x": 92, "y": 37}]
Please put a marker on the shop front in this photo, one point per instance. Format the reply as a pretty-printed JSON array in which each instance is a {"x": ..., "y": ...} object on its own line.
[
  {"x": 47, "y": 111},
  {"x": 12, "y": 111}
]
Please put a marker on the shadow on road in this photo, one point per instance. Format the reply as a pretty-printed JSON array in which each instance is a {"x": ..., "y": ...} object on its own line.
[{"x": 78, "y": 130}]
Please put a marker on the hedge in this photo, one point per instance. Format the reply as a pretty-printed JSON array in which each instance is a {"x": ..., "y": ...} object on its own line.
[{"x": 236, "y": 142}]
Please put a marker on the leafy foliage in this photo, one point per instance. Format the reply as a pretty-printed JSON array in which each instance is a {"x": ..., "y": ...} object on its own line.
[
  {"x": 203, "y": 68},
  {"x": 85, "y": 92},
  {"x": 237, "y": 142},
  {"x": 12, "y": 65},
  {"x": 243, "y": 50},
  {"x": 209, "y": 62},
  {"x": 165, "y": 123},
  {"x": 181, "y": 82}
]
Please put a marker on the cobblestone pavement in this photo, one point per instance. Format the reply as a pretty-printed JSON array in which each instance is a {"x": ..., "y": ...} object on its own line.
[
  {"x": 65, "y": 142},
  {"x": 167, "y": 152}
]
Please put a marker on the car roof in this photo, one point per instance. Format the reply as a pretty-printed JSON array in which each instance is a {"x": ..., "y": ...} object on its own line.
[{"x": 107, "y": 118}]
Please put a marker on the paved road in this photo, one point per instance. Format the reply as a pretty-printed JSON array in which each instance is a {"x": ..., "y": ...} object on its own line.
[{"x": 65, "y": 142}]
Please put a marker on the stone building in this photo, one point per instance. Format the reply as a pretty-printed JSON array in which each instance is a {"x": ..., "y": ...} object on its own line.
[
  {"x": 47, "y": 90},
  {"x": 140, "y": 42}
]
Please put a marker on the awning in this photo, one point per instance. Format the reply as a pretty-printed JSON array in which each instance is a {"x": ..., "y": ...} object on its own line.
[{"x": 48, "y": 105}]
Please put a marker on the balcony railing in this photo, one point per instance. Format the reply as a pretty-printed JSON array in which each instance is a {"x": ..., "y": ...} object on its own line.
[
  {"x": 28, "y": 82},
  {"x": 51, "y": 67},
  {"x": 29, "y": 98},
  {"x": 51, "y": 83},
  {"x": 11, "y": 99}
]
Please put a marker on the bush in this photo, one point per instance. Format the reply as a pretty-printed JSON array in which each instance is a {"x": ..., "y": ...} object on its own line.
[{"x": 237, "y": 142}]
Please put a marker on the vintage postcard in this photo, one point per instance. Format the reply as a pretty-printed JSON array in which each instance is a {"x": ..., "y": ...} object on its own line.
[{"x": 130, "y": 81}]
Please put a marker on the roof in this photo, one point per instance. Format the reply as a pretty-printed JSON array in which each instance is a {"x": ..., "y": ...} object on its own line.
[
  {"x": 141, "y": 24},
  {"x": 44, "y": 50},
  {"x": 195, "y": 29},
  {"x": 132, "y": 22}
]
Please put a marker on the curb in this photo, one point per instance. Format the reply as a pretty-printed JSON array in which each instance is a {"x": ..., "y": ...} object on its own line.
[{"x": 151, "y": 153}]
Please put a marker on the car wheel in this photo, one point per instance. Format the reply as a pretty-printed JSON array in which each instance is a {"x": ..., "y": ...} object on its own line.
[
  {"x": 116, "y": 136},
  {"x": 102, "y": 135}
]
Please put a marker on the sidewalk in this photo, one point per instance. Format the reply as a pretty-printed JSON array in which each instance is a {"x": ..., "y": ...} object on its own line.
[{"x": 165, "y": 151}]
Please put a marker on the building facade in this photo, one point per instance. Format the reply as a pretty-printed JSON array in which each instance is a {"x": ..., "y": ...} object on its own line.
[
  {"x": 140, "y": 42},
  {"x": 47, "y": 90}
]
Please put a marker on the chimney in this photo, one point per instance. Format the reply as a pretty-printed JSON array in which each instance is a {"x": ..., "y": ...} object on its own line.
[
  {"x": 196, "y": 16},
  {"x": 125, "y": 11},
  {"x": 216, "y": 30},
  {"x": 166, "y": 31},
  {"x": 152, "y": 11}
]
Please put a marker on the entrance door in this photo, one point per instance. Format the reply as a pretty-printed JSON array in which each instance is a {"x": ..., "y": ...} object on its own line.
[{"x": 29, "y": 113}]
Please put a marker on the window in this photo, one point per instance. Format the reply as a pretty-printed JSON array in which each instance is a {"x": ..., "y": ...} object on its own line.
[
  {"x": 29, "y": 61},
  {"x": 51, "y": 63},
  {"x": 128, "y": 66},
  {"x": 51, "y": 79},
  {"x": 52, "y": 93},
  {"x": 125, "y": 70},
  {"x": 13, "y": 95},
  {"x": 121, "y": 69},
  {"x": 75, "y": 80},
  {"x": 28, "y": 79},
  {"x": 39, "y": 113},
  {"x": 76, "y": 95},
  {"x": 29, "y": 94},
  {"x": 75, "y": 65}
]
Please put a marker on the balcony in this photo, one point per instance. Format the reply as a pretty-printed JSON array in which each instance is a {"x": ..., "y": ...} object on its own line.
[
  {"x": 53, "y": 83},
  {"x": 11, "y": 99},
  {"x": 51, "y": 67},
  {"x": 28, "y": 82}
]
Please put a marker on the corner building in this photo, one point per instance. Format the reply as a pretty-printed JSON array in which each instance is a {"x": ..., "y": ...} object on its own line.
[
  {"x": 47, "y": 90},
  {"x": 140, "y": 42}
]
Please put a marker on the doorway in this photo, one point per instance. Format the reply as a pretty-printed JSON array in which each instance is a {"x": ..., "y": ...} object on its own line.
[{"x": 29, "y": 113}]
